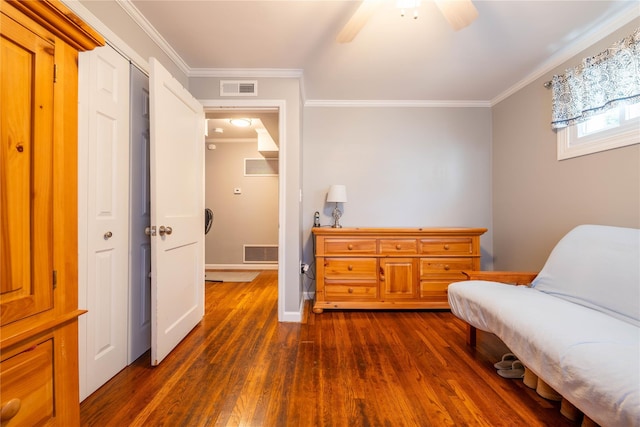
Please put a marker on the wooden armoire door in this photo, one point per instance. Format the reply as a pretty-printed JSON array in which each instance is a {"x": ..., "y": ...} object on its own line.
[{"x": 26, "y": 167}]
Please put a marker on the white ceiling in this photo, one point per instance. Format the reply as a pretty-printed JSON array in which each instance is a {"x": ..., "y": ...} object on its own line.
[
  {"x": 392, "y": 58},
  {"x": 260, "y": 119}
]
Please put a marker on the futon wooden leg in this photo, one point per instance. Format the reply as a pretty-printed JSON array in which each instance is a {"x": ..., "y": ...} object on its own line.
[{"x": 471, "y": 335}]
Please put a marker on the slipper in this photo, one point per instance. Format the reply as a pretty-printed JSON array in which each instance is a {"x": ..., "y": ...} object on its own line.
[
  {"x": 506, "y": 362},
  {"x": 516, "y": 371}
]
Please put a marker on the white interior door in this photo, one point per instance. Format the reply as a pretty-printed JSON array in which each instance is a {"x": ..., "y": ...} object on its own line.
[
  {"x": 177, "y": 212},
  {"x": 140, "y": 206},
  {"x": 103, "y": 200}
]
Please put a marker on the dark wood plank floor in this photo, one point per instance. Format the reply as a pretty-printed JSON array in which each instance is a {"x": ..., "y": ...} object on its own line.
[{"x": 240, "y": 367}]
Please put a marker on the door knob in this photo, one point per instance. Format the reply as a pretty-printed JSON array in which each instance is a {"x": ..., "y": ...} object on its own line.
[
  {"x": 108, "y": 235},
  {"x": 165, "y": 230}
]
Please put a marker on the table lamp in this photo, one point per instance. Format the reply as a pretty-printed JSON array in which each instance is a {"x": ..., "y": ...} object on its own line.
[{"x": 337, "y": 194}]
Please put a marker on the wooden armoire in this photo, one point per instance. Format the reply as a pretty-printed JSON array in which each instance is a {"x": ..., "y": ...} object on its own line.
[{"x": 40, "y": 41}]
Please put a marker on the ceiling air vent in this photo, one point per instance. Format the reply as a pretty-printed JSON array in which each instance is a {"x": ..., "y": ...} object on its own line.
[{"x": 238, "y": 87}]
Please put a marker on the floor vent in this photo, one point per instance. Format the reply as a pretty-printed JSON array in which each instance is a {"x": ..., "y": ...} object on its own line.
[
  {"x": 264, "y": 254},
  {"x": 238, "y": 87}
]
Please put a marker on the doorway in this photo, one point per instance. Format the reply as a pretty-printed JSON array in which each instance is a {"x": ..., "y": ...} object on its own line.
[
  {"x": 241, "y": 188},
  {"x": 279, "y": 105}
]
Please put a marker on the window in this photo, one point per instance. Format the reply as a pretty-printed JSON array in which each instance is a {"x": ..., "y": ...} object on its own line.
[{"x": 615, "y": 128}]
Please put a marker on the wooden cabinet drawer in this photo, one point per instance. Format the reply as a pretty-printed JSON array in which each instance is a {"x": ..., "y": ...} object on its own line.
[
  {"x": 27, "y": 379},
  {"x": 451, "y": 267},
  {"x": 349, "y": 246},
  {"x": 398, "y": 246},
  {"x": 434, "y": 290},
  {"x": 350, "y": 268},
  {"x": 351, "y": 291},
  {"x": 447, "y": 246}
]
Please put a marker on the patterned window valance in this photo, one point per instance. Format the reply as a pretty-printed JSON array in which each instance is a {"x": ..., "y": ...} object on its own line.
[{"x": 601, "y": 82}]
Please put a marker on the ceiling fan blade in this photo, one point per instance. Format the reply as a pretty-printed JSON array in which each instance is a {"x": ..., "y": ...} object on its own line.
[
  {"x": 459, "y": 13},
  {"x": 358, "y": 20}
]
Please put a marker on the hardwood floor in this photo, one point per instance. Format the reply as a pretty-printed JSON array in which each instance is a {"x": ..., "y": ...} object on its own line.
[{"x": 240, "y": 367}]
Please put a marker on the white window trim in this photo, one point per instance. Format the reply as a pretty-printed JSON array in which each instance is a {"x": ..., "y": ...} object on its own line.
[{"x": 621, "y": 136}]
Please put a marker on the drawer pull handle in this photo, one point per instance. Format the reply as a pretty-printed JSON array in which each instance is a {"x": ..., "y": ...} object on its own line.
[
  {"x": 446, "y": 247},
  {"x": 10, "y": 409},
  {"x": 350, "y": 247},
  {"x": 446, "y": 267},
  {"x": 350, "y": 290},
  {"x": 350, "y": 267},
  {"x": 398, "y": 247}
]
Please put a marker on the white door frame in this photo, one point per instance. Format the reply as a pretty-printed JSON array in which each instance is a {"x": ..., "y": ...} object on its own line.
[{"x": 280, "y": 104}]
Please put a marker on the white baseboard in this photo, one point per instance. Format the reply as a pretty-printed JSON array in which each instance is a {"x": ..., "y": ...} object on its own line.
[
  {"x": 291, "y": 317},
  {"x": 241, "y": 266}
]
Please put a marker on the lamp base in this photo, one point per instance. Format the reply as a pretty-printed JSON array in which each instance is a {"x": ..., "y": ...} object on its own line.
[{"x": 336, "y": 217}]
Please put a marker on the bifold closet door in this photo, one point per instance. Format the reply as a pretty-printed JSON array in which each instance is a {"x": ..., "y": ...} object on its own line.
[{"x": 103, "y": 215}]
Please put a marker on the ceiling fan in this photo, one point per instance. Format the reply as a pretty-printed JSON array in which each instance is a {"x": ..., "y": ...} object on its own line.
[{"x": 459, "y": 14}]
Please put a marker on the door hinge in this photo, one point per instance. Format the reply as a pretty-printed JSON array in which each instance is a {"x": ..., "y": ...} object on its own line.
[
  {"x": 55, "y": 72},
  {"x": 55, "y": 279}
]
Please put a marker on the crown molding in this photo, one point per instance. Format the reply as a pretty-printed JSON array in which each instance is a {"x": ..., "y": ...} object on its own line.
[
  {"x": 616, "y": 22},
  {"x": 395, "y": 103},
  {"x": 246, "y": 72},
  {"x": 157, "y": 38}
]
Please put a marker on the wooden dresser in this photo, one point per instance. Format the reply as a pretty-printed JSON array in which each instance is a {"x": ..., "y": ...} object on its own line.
[
  {"x": 391, "y": 268},
  {"x": 38, "y": 212}
]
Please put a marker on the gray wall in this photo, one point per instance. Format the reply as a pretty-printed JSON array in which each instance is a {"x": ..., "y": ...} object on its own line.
[
  {"x": 403, "y": 167},
  {"x": 247, "y": 218},
  {"x": 537, "y": 198}
]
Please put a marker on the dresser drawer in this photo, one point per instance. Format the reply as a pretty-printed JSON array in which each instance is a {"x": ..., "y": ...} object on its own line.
[
  {"x": 350, "y": 268},
  {"x": 350, "y": 291},
  {"x": 434, "y": 290},
  {"x": 451, "y": 267},
  {"x": 335, "y": 246},
  {"x": 398, "y": 246},
  {"x": 447, "y": 246},
  {"x": 27, "y": 383}
]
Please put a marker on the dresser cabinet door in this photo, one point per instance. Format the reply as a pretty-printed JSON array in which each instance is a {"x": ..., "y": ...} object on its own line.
[
  {"x": 26, "y": 172},
  {"x": 398, "y": 278}
]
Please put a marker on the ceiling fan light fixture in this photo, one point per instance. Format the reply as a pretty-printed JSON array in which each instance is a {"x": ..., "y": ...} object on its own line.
[
  {"x": 241, "y": 123},
  {"x": 403, "y": 5}
]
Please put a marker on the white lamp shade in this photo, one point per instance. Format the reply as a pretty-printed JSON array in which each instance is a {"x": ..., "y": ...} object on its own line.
[{"x": 337, "y": 194}]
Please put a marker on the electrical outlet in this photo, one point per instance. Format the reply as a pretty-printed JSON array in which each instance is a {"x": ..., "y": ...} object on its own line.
[{"x": 303, "y": 267}]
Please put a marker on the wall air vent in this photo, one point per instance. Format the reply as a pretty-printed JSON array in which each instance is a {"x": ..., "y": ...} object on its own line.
[
  {"x": 238, "y": 87},
  {"x": 260, "y": 254},
  {"x": 261, "y": 167}
]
